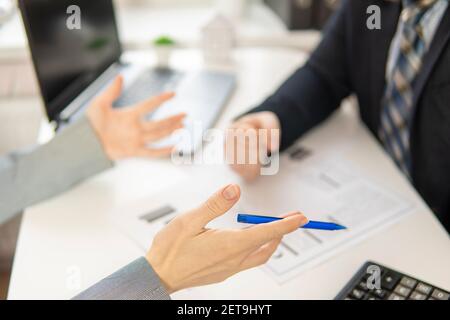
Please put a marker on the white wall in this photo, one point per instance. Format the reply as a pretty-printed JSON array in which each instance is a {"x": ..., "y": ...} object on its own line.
[
  {"x": 167, "y": 2},
  {"x": 184, "y": 3}
]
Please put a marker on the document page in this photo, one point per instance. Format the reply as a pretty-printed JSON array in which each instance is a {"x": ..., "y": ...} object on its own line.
[{"x": 324, "y": 188}]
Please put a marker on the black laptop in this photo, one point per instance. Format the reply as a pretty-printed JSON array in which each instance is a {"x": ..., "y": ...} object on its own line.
[{"x": 74, "y": 64}]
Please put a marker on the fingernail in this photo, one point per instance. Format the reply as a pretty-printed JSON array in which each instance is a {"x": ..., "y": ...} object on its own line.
[
  {"x": 230, "y": 192},
  {"x": 303, "y": 220},
  {"x": 300, "y": 218}
]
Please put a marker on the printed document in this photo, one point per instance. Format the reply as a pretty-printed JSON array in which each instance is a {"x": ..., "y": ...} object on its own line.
[{"x": 322, "y": 187}]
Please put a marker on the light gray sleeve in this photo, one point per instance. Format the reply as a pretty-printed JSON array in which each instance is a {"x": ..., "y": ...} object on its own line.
[
  {"x": 30, "y": 176},
  {"x": 136, "y": 281}
]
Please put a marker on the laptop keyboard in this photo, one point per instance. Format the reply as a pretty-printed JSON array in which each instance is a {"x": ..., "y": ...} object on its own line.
[
  {"x": 201, "y": 95},
  {"x": 393, "y": 286},
  {"x": 148, "y": 84}
]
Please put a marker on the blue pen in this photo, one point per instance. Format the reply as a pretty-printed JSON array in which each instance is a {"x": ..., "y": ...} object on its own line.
[{"x": 319, "y": 225}]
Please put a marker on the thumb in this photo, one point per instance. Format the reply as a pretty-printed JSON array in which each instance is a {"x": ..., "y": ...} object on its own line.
[
  {"x": 272, "y": 142},
  {"x": 270, "y": 123},
  {"x": 268, "y": 127},
  {"x": 218, "y": 204},
  {"x": 113, "y": 92}
]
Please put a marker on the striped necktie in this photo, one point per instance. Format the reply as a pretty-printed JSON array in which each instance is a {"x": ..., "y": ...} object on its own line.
[{"x": 397, "y": 103}]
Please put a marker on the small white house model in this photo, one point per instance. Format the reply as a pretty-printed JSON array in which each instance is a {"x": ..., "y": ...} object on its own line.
[{"x": 218, "y": 39}]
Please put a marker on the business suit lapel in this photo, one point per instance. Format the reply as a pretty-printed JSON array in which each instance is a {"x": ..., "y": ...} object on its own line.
[
  {"x": 379, "y": 52},
  {"x": 438, "y": 44}
]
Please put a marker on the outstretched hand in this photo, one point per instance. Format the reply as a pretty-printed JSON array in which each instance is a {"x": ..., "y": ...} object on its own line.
[
  {"x": 187, "y": 254},
  {"x": 125, "y": 132}
]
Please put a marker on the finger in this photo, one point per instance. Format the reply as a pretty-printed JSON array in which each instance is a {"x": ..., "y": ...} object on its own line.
[
  {"x": 248, "y": 172},
  {"x": 240, "y": 143},
  {"x": 266, "y": 121},
  {"x": 215, "y": 206},
  {"x": 263, "y": 233},
  {"x": 247, "y": 144},
  {"x": 289, "y": 214},
  {"x": 164, "y": 123},
  {"x": 113, "y": 92},
  {"x": 153, "y": 103},
  {"x": 261, "y": 255},
  {"x": 160, "y": 134},
  {"x": 242, "y": 125},
  {"x": 270, "y": 121},
  {"x": 154, "y": 152},
  {"x": 272, "y": 140}
]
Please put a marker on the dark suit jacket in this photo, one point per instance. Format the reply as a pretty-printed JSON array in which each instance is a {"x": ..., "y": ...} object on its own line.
[{"x": 352, "y": 59}]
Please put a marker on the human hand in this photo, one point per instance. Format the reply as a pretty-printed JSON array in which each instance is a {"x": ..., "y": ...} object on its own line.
[
  {"x": 124, "y": 132},
  {"x": 187, "y": 254},
  {"x": 236, "y": 147}
]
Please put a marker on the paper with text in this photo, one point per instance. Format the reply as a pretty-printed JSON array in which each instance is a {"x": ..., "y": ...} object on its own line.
[{"x": 323, "y": 188}]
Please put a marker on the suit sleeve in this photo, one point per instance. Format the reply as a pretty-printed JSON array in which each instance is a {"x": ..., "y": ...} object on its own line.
[
  {"x": 136, "y": 281},
  {"x": 31, "y": 176},
  {"x": 314, "y": 91}
]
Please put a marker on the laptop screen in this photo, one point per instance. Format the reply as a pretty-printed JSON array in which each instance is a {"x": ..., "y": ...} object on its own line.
[{"x": 72, "y": 42}]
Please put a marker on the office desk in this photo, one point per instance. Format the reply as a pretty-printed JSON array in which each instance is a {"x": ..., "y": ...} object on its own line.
[{"x": 70, "y": 238}]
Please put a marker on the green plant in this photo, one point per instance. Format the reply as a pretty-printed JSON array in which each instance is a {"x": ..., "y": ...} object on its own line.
[{"x": 163, "y": 41}]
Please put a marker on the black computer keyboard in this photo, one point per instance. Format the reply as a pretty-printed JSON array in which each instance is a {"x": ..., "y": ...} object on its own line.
[{"x": 393, "y": 285}]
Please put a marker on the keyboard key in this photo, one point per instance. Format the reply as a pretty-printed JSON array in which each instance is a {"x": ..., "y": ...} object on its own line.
[
  {"x": 394, "y": 286},
  {"x": 417, "y": 296},
  {"x": 440, "y": 295},
  {"x": 424, "y": 288},
  {"x": 363, "y": 286},
  {"x": 390, "y": 280},
  {"x": 402, "y": 290},
  {"x": 408, "y": 282},
  {"x": 380, "y": 293},
  {"x": 358, "y": 294},
  {"x": 395, "y": 296}
]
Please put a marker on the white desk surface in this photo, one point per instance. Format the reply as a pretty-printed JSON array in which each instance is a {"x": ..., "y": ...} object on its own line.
[{"x": 72, "y": 230}]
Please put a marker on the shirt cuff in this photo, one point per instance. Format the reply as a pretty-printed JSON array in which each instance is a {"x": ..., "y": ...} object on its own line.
[{"x": 136, "y": 281}]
